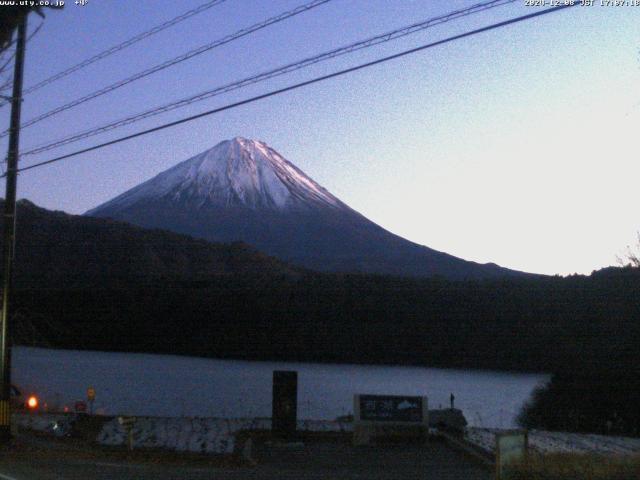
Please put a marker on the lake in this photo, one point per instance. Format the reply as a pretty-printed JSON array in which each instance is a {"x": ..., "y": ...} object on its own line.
[{"x": 166, "y": 385}]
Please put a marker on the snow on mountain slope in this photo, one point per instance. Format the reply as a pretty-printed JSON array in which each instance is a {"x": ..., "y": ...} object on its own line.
[
  {"x": 236, "y": 172},
  {"x": 244, "y": 190}
]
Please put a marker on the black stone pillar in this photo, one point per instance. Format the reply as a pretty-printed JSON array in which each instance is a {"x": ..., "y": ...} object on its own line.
[{"x": 284, "y": 414}]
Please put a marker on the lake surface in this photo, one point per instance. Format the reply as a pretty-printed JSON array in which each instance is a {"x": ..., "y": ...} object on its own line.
[{"x": 165, "y": 385}]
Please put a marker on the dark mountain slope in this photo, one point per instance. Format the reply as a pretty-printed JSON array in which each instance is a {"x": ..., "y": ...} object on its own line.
[
  {"x": 55, "y": 248},
  {"x": 243, "y": 190}
]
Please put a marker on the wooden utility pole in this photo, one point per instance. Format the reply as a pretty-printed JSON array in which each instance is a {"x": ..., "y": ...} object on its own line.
[{"x": 9, "y": 234}]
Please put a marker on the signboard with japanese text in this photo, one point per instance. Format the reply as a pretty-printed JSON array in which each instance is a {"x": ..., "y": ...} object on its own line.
[
  {"x": 377, "y": 417},
  {"x": 391, "y": 408}
]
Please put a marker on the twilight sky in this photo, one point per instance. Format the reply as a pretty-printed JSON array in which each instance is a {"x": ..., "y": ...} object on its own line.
[{"x": 518, "y": 146}]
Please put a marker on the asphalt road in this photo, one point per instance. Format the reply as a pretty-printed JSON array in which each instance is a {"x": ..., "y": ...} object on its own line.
[{"x": 317, "y": 461}]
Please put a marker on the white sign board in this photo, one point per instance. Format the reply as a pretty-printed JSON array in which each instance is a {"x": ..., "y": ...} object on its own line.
[
  {"x": 511, "y": 446},
  {"x": 379, "y": 415}
]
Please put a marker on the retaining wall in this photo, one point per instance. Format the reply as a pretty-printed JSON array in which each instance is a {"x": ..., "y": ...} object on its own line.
[{"x": 201, "y": 435}]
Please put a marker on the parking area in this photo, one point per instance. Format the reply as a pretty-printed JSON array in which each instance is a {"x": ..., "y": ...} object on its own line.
[
  {"x": 327, "y": 457},
  {"x": 339, "y": 459}
]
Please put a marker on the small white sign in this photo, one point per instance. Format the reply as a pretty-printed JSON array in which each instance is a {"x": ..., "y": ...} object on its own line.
[{"x": 511, "y": 446}]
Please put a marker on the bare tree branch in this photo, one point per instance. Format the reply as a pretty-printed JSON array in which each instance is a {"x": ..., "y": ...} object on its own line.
[{"x": 631, "y": 258}]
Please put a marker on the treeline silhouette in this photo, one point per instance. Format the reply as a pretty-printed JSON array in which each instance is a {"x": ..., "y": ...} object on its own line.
[
  {"x": 600, "y": 400},
  {"x": 545, "y": 325},
  {"x": 583, "y": 329},
  {"x": 84, "y": 283}
]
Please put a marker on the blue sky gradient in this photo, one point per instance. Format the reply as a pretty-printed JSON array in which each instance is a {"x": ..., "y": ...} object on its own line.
[{"x": 518, "y": 146}]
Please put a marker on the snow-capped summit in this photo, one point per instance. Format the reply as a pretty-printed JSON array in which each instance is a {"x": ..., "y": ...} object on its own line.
[
  {"x": 244, "y": 190},
  {"x": 237, "y": 172}
]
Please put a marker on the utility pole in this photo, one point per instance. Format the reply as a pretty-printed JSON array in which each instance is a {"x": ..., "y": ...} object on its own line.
[{"x": 9, "y": 234}]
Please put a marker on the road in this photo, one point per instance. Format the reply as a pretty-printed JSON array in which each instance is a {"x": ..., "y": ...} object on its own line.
[{"x": 46, "y": 460}]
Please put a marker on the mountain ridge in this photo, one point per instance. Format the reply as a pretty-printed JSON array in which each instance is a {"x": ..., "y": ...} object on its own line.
[
  {"x": 244, "y": 190},
  {"x": 237, "y": 172}
]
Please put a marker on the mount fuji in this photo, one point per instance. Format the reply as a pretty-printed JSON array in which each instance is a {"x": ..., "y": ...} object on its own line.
[{"x": 244, "y": 190}]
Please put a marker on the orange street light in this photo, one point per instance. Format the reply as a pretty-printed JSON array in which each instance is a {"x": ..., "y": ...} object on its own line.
[{"x": 32, "y": 402}]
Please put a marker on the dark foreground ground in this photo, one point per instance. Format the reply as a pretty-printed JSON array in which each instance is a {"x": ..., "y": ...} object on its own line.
[{"x": 38, "y": 458}]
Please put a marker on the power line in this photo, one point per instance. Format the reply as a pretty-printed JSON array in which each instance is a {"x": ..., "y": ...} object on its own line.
[
  {"x": 181, "y": 58},
  {"x": 302, "y": 84},
  {"x": 123, "y": 45},
  {"x": 6, "y": 64},
  {"x": 369, "y": 42},
  {"x": 8, "y": 60}
]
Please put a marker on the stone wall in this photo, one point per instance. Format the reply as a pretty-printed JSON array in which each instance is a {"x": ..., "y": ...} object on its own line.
[{"x": 200, "y": 435}]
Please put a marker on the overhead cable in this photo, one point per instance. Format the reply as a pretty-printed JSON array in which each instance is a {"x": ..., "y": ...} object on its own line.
[
  {"x": 301, "y": 84},
  {"x": 353, "y": 47},
  {"x": 121, "y": 46},
  {"x": 174, "y": 61}
]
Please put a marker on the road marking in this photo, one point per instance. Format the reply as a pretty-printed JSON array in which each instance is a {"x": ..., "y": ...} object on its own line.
[
  {"x": 115, "y": 465},
  {"x": 189, "y": 469},
  {"x": 7, "y": 477}
]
